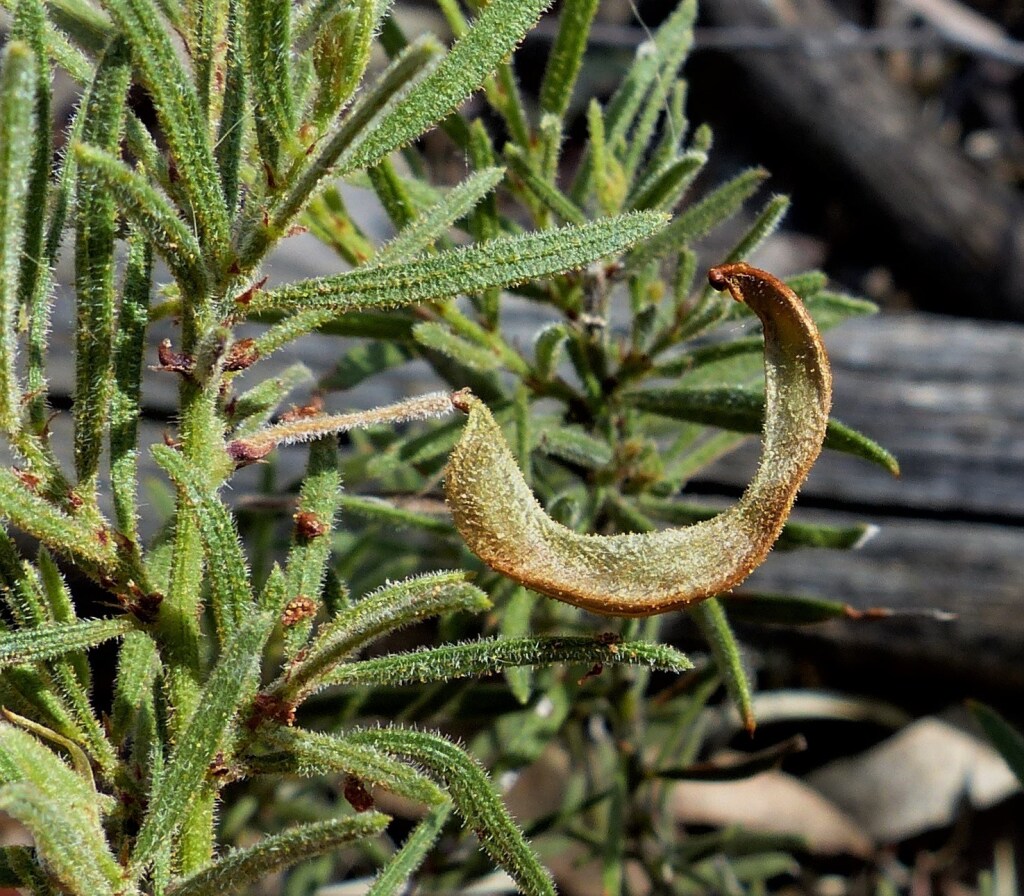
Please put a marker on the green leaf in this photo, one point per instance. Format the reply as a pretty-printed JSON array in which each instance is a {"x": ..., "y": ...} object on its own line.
[
  {"x": 665, "y": 188},
  {"x": 243, "y": 868},
  {"x": 47, "y": 642},
  {"x": 387, "y": 91},
  {"x": 742, "y": 410},
  {"x": 1004, "y": 737},
  {"x": 268, "y": 42},
  {"x": 253, "y": 409},
  {"x": 794, "y": 534},
  {"x": 383, "y": 511},
  {"x": 701, "y": 218},
  {"x": 63, "y": 534},
  {"x": 494, "y": 35},
  {"x": 311, "y": 536},
  {"x": 566, "y": 56},
  {"x": 153, "y": 214},
  {"x": 394, "y": 876},
  {"x": 542, "y": 189},
  {"x": 181, "y": 119},
  {"x": 439, "y": 338},
  {"x": 428, "y": 227},
  {"x": 492, "y": 655},
  {"x": 18, "y": 81},
  {"x": 474, "y": 797},
  {"x": 575, "y": 445},
  {"x": 309, "y": 753},
  {"x": 30, "y": 27},
  {"x": 75, "y": 854},
  {"x": 362, "y": 362},
  {"x": 129, "y": 349},
  {"x": 499, "y": 263},
  {"x": 232, "y": 680},
  {"x": 387, "y": 609},
  {"x": 230, "y": 587},
  {"x": 794, "y": 609},
  {"x": 231, "y": 135},
  {"x": 714, "y": 626},
  {"x": 62, "y": 810}
]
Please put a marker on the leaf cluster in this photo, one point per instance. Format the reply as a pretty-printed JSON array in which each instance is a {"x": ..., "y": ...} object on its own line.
[{"x": 244, "y": 667}]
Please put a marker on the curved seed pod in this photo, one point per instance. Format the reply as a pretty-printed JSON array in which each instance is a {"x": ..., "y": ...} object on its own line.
[{"x": 644, "y": 574}]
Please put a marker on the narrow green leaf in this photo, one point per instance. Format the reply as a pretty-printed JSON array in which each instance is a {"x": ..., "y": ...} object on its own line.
[
  {"x": 672, "y": 44},
  {"x": 742, "y": 410},
  {"x": 763, "y": 226},
  {"x": 439, "y": 338},
  {"x": 230, "y": 587},
  {"x": 137, "y": 666},
  {"x": 650, "y": 65},
  {"x": 389, "y": 90},
  {"x": 231, "y": 135},
  {"x": 492, "y": 655},
  {"x": 75, "y": 854},
  {"x": 181, "y": 119},
  {"x": 268, "y": 42},
  {"x": 830, "y": 309},
  {"x": 391, "y": 191},
  {"x": 794, "y": 534},
  {"x": 18, "y": 82},
  {"x": 665, "y": 187},
  {"x": 1004, "y": 737},
  {"x": 311, "y": 536},
  {"x": 129, "y": 348},
  {"x": 59, "y": 532},
  {"x": 501, "y": 262},
  {"x": 153, "y": 214},
  {"x": 714, "y": 625},
  {"x": 701, "y": 218},
  {"x": 396, "y": 517},
  {"x": 543, "y": 190},
  {"x": 48, "y": 642},
  {"x": 566, "y": 56},
  {"x": 310, "y": 753},
  {"x": 494, "y": 35},
  {"x": 243, "y": 868},
  {"x": 62, "y": 810},
  {"x": 232, "y": 681},
  {"x": 83, "y": 22},
  {"x": 795, "y": 609},
  {"x": 30, "y": 26},
  {"x": 422, "y": 232},
  {"x": 575, "y": 445},
  {"x": 547, "y": 349},
  {"x": 394, "y": 876},
  {"x": 474, "y": 797},
  {"x": 387, "y": 609},
  {"x": 254, "y": 409},
  {"x": 362, "y": 362}
]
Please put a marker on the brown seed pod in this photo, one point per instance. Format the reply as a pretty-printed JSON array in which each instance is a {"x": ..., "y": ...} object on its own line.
[{"x": 644, "y": 574}]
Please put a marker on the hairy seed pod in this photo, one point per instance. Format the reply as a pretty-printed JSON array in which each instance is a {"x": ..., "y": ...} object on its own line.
[{"x": 643, "y": 574}]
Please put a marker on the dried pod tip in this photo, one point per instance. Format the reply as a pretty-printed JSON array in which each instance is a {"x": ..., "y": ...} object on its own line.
[{"x": 463, "y": 400}]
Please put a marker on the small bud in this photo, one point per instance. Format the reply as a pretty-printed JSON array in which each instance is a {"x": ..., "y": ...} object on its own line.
[
  {"x": 356, "y": 794},
  {"x": 174, "y": 362},
  {"x": 309, "y": 525},
  {"x": 297, "y": 609},
  {"x": 241, "y": 354}
]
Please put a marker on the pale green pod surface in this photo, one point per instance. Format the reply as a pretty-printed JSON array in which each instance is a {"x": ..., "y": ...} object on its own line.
[{"x": 643, "y": 574}]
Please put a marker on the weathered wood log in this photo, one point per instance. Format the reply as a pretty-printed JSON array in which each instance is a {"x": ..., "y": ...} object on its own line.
[{"x": 959, "y": 233}]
